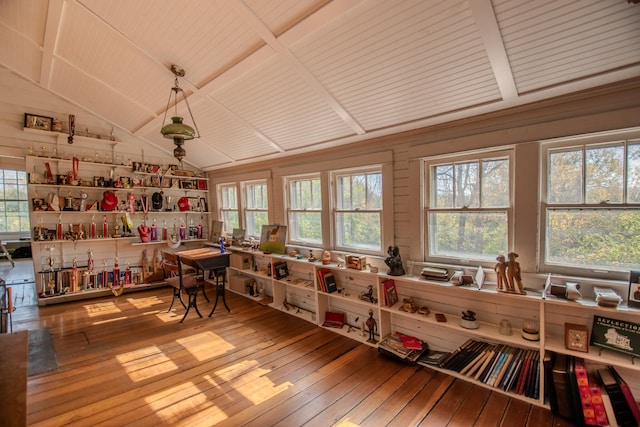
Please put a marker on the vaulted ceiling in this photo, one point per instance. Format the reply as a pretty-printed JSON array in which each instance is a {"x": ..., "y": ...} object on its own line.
[{"x": 269, "y": 78}]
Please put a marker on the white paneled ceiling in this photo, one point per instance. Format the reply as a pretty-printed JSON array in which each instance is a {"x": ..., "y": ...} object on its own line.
[{"x": 271, "y": 78}]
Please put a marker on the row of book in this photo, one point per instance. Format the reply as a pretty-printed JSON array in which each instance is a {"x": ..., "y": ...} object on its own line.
[
  {"x": 511, "y": 369},
  {"x": 589, "y": 396},
  {"x": 327, "y": 280}
]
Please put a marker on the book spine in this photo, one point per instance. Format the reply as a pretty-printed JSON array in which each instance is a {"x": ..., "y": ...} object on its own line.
[
  {"x": 534, "y": 376},
  {"x": 492, "y": 365},
  {"x": 472, "y": 367},
  {"x": 455, "y": 354},
  {"x": 626, "y": 391},
  {"x": 512, "y": 366},
  {"x": 505, "y": 367},
  {"x": 523, "y": 374}
]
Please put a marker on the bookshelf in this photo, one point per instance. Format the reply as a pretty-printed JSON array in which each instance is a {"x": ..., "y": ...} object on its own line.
[{"x": 308, "y": 300}]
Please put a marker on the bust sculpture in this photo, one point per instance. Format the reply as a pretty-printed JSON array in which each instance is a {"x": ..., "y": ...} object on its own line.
[{"x": 394, "y": 262}]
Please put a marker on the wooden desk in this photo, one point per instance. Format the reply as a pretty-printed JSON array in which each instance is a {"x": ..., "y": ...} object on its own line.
[
  {"x": 13, "y": 371},
  {"x": 209, "y": 259}
]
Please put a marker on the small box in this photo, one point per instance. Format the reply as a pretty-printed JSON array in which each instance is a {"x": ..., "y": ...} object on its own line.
[
  {"x": 333, "y": 320},
  {"x": 356, "y": 262}
]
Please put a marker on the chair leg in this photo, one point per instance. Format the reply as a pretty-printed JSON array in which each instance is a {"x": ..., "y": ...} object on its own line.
[
  {"x": 193, "y": 295},
  {"x": 176, "y": 293}
]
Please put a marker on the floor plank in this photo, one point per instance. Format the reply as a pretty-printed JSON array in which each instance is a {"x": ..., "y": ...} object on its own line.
[{"x": 126, "y": 361}]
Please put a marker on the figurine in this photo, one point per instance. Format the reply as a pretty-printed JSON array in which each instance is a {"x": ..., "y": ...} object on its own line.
[
  {"x": 469, "y": 320},
  {"x": 409, "y": 305},
  {"x": 501, "y": 273},
  {"x": 514, "y": 278},
  {"x": 372, "y": 326},
  {"x": 394, "y": 262}
]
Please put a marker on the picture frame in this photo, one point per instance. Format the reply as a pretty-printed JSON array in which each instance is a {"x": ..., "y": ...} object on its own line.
[
  {"x": 273, "y": 238},
  {"x": 576, "y": 337},
  {"x": 186, "y": 185},
  {"x": 634, "y": 289},
  {"x": 202, "y": 184},
  {"x": 34, "y": 121}
]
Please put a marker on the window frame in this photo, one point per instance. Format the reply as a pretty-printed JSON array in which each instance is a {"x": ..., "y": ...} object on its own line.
[
  {"x": 245, "y": 209},
  {"x": 222, "y": 209},
  {"x": 295, "y": 240},
  {"x": 582, "y": 142},
  {"x": 427, "y": 165},
  {"x": 23, "y": 213},
  {"x": 364, "y": 170}
]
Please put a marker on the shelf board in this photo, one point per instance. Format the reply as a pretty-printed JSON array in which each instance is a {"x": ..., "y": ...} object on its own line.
[
  {"x": 486, "y": 330},
  {"x": 595, "y": 354},
  {"x": 75, "y": 137},
  {"x": 94, "y": 293},
  {"x": 160, "y": 242},
  {"x": 349, "y": 297}
]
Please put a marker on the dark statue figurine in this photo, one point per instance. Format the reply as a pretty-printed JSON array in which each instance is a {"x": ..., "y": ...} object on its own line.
[{"x": 394, "y": 262}]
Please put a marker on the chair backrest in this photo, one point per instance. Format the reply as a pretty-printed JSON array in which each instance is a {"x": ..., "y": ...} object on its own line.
[{"x": 171, "y": 264}]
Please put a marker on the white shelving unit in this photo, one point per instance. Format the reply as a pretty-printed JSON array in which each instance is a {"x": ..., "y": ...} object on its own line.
[
  {"x": 491, "y": 307},
  {"x": 99, "y": 161}
]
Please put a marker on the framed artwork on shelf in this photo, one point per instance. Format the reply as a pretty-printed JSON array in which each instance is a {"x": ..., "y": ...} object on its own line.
[
  {"x": 617, "y": 335},
  {"x": 576, "y": 337},
  {"x": 273, "y": 238},
  {"x": 202, "y": 184},
  {"x": 33, "y": 121}
]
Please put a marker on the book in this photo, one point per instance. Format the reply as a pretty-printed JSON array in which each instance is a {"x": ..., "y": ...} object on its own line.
[
  {"x": 597, "y": 402},
  {"x": 576, "y": 402},
  {"x": 390, "y": 293},
  {"x": 626, "y": 391},
  {"x": 432, "y": 358},
  {"x": 454, "y": 353},
  {"x": 623, "y": 415},
  {"x": 501, "y": 383},
  {"x": 608, "y": 407},
  {"x": 412, "y": 343},
  {"x": 561, "y": 384},
  {"x": 330, "y": 282}
]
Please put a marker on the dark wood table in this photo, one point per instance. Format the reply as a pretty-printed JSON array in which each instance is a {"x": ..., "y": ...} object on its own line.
[{"x": 209, "y": 260}]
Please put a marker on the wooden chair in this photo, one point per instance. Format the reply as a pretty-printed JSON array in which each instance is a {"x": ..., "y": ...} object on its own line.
[{"x": 180, "y": 281}]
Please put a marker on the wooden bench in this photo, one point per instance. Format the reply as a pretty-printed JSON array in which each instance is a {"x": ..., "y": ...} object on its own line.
[{"x": 13, "y": 371}]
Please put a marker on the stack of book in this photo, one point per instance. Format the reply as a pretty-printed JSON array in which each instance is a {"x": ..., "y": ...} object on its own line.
[
  {"x": 327, "y": 280},
  {"x": 403, "y": 347},
  {"x": 589, "y": 396},
  {"x": 511, "y": 369}
]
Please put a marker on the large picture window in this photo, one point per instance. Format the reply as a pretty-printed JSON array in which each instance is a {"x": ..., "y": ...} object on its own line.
[
  {"x": 304, "y": 210},
  {"x": 14, "y": 201},
  {"x": 358, "y": 210},
  {"x": 468, "y": 209},
  {"x": 592, "y": 209}
]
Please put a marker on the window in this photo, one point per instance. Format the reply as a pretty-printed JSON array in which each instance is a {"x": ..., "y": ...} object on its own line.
[
  {"x": 358, "y": 210},
  {"x": 305, "y": 210},
  {"x": 592, "y": 209},
  {"x": 14, "y": 201},
  {"x": 256, "y": 212},
  {"x": 229, "y": 215},
  {"x": 468, "y": 207}
]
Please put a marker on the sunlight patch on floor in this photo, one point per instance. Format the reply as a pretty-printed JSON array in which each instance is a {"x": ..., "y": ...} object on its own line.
[
  {"x": 205, "y": 345},
  {"x": 101, "y": 309},
  {"x": 346, "y": 423},
  {"x": 171, "y": 403},
  {"x": 116, "y": 319},
  {"x": 145, "y": 302},
  {"x": 260, "y": 390},
  {"x": 146, "y": 363},
  {"x": 235, "y": 370}
]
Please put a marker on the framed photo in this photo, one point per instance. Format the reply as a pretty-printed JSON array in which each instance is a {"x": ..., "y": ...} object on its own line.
[
  {"x": 634, "y": 289},
  {"x": 186, "y": 185},
  {"x": 576, "y": 337},
  {"x": 33, "y": 121},
  {"x": 280, "y": 270},
  {"x": 202, "y": 184}
]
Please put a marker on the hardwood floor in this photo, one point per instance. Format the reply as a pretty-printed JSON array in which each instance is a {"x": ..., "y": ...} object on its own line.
[{"x": 126, "y": 361}]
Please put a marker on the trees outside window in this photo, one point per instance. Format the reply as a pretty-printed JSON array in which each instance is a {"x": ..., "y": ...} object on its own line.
[
  {"x": 468, "y": 209},
  {"x": 14, "y": 201},
  {"x": 592, "y": 208},
  {"x": 358, "y": 210},
  {"x": 304, "y": 210}
]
